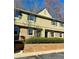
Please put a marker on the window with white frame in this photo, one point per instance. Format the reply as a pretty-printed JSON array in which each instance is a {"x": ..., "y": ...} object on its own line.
[
  {"x": 30, "y": 31},
  {"x": 54, "y": 23},
  {"x": 56, "y": 34},
  {"x": 31, "y": 18},
  {"x": 17, "y": 15},
  {"x": 16, "y": 30},
  {"x": 62, "y": 24}
]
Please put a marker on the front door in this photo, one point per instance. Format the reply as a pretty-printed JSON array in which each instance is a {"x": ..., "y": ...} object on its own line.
[
  {"x": 16, "y": 33},
  {"x": 37, "y": 33},
  {"x": 46, "y": 33}
]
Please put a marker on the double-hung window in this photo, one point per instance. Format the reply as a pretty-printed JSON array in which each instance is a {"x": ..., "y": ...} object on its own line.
[
  {"x": 17, "y": 15},
  {"x": 54, "y": 23},
  {"x": 62, "y": 24},
  {"x": 30, "y": 31},
  {"x": 16, "y": 30},
  {"x": 31, "y": 18}
]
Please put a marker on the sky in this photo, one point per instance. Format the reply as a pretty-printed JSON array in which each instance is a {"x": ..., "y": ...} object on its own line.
[
  {"x": 34, "y": 5},
  {"x": 61, "y": 1},
  {"x": 29, "y": 4}
]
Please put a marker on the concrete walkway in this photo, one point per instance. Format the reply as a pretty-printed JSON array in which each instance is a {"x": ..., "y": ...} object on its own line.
[
  {"x": 18, "y": 55},
  {"x": 59, "y": 55}
]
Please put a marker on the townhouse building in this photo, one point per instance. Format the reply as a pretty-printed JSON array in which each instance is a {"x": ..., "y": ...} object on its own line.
[{"x": 42, "y": 24}]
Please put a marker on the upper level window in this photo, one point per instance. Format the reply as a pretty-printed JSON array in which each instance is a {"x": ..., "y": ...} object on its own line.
[
  {"x": 31, "y": 18},
  {"x": 17, "y": 14},
  {"x": 62, "y": 24},
  {"x": 54, "y": 23},
  {"x": 30, "y": 31},
  {"x": 16, "y": 30}
]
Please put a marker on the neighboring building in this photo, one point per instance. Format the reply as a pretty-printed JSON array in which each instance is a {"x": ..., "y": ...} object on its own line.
[{"x": 42, "y": 24}]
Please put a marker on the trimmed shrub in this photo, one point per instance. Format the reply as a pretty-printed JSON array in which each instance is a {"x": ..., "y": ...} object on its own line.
[{"x": 44, "y": 40}]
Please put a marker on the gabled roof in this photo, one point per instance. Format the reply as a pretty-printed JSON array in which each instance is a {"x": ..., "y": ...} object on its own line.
[
  {"x": 38, "y": 14},
  {"x": 45, "y": 13}
]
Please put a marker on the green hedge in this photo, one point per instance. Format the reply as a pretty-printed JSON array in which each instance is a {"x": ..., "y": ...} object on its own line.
[{"x": 44, "y": 40}]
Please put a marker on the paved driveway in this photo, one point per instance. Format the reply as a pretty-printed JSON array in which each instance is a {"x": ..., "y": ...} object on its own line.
[{"x": 46, "y": 56}]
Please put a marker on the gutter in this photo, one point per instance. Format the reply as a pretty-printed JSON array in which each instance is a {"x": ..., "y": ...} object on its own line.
[{"x": 31, "y": 13}]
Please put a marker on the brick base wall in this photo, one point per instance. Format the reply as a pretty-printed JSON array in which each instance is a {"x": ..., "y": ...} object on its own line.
[{"x": 42, "y": 47}]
